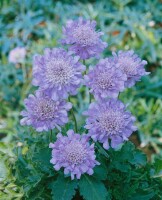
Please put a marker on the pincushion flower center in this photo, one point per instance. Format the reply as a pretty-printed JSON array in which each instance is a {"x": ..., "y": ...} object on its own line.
[
  {"x": 111, "y": 122},
  {"x": 85, "y": 35},
  {"x": 75, "y": 153},
  {"x": 44, "y": 109},
  {"x": 128, "y": 66},
  {"x": 59, "y": 71},
  {"x": 104, "y": 80}
]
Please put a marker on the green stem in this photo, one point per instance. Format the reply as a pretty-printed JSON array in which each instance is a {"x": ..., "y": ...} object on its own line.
[
  {"x": 24, "y": 71},
  {"x": 84, "y": 63},
  {"x": 50, "y": 136},
  {"x": 119, "y": 96},
  {"x": 74, "y": 118},
  {"x": 75, "y": 122},
  {"x": 90, "y": 97},
  {"x": 102, "y": 150}
]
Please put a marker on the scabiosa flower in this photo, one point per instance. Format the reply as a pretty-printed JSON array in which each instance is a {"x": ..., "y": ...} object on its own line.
[
  {"x": 85, "y": 41},
  {"x": 131, "y": 65},
  {"x": 57, "y": 73},
  {"x": 17, "y": 55},
  {"x": 74, "y": 153},
  {"x": 105, "y": 80},
  {"x": 43, "y": 113},
  {"x": 108, "y": 120}
]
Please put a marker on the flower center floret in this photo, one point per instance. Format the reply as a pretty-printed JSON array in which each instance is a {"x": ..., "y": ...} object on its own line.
[
  {"x": 85, "y": 35},
  {"x": 45, "y": 109},
  {"x": 59, "y": 71},
  {"x": 104, "y": 81},
  {"x": 128, "y": 66},
  {"x": 75, "y": 153},
  {"x": 110, "y": 122}
]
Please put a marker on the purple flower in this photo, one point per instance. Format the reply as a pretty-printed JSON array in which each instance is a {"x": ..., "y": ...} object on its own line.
[
  {"x": 17, "y": 55},
  {"x": 131, "y": 65},
  {"x": 108, "y": 119},
  {"x": 85, "y": 41},
  {"x": 57, "y": 73},
  {"x": 43, "y": 113},
  {"x": 74, "y": 153},
  {"x": 105, "y": 80}
]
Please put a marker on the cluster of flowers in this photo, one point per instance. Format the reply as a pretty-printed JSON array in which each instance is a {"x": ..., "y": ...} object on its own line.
[{"x": 59, "y": 73}]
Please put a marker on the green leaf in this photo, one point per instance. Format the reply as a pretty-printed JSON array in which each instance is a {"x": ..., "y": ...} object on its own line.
[
  {"x": 139, "y": 158},
  {"x": 154, "y": 86},
  {"x": 143, "y": 195},
  {"x": 42, "y": 158},
  {"x": 158, "y": 167},
  {"x": 63, "y": 188},
  {"x": 100, "y": 173},
  {"x": 92, "y": 189},
  {"x": 153, "y": 94},
  {"x": 126, "y": 152}
]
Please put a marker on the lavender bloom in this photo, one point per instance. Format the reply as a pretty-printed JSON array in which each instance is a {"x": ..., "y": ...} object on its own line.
[
  {"x": 108, "y": 119},
  {"x": 57, "y": 73},
  {"x": 105, "y": 80},
  {"x": 17, "y": 55},
  {"x": 84, "y": 39},
  {"x": 131, "y": 65},
  {"x": 43, "y": 113},
  {"x": 74, "y": 153}
]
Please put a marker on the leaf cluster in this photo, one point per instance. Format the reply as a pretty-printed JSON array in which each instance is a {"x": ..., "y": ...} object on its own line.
[{"x": 123, "y": 174}]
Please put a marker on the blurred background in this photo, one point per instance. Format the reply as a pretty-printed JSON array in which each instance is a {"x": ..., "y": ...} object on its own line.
[{"x": 127, "y": 24}]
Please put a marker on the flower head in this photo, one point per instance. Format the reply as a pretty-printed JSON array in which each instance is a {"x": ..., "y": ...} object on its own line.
[
  {"x": 17, "y": 55},
  {"x": 85, "y": 41},
  {"x": 57, "y": 73},
  {"x": 43, "y": 113},
  {"x": 131, "y": 65},
  {"x": 105, "y": 80},
  {"x": 74, "y": 153},
  {"x": 108, "y": 119}
]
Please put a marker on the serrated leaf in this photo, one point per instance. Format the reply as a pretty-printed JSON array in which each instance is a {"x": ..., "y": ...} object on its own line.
[
  {"x": 63, "y": 188},
  {"x": 92, "y": 189},
  {"x": 42, "y": 157},
  {"x": 126, "y": 152}
]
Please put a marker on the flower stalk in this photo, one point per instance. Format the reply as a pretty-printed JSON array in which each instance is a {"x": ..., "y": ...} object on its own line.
[{"x": 74, "y": 118}]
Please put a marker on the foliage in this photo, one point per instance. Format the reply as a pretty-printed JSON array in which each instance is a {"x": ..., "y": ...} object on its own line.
[
  {"x": 126, "y": 168},
  {"x": 8, "y": 187}
]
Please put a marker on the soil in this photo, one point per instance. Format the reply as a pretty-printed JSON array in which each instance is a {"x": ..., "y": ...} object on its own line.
[{"x": 148, "y": 149}]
